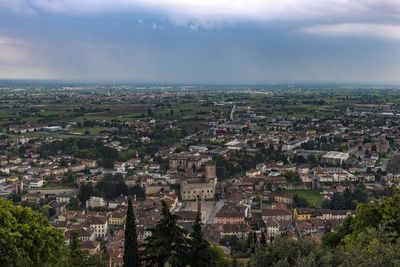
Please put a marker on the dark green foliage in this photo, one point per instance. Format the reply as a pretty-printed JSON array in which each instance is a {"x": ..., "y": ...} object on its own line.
[
  {"x": 240, "y": 161},
  {"x": 138, "y": 191},
  {"x": 326, "y": 143},
  {"x": 63, "y": 163},
  {"x": 371, "y": 238},
  {"x": 300, "y": 202},
  {"x": 347, "y": 200},
  {"x": 335, "y": 237},
  {"x": 200, "y": 252},
  {"x": 171, "y": 245},
  {"x": 86, "y": 190},
  {"x": 73, "y": 204},
  {"x": 282, "y": 252},
  {"x": 78, "y": 257},
  {"x": 81, "y": 148},
  {"x": 76, "y": 254},
  {"x": 160, "y": 137},
  {"x": 164, "y": 163},
  {"x": 168, "y": 242},
  {"x": 68, "y": 179},
  {"x": 107, "y": 163},
  {"x": 292, "y": 177},
  {"x": 263, "y": 240},
  {"x": 360, "y": 194},
  {"x": 372, "y": 247},
  {"x": 112, "y": 186},
  {"x": 240, "y": 247},
  {"x": 131, "y": 254},
  {"x": 338, "y": 202}
]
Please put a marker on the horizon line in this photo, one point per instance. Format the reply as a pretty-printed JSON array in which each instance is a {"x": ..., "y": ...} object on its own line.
[{"x": 177, "y": 83}]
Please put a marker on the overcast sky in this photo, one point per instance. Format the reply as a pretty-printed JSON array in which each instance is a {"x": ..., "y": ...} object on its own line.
[{"x": 201, "y": 41}]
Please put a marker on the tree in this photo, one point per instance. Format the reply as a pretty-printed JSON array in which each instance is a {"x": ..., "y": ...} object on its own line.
[
  {"x": 360, "y": 194},
  {"x": 371, "y": 238},
  {"x": 68, "y": 179},
  {"x": 78, "y": 257},
  {"x": 200, "y": 253},
  {"x": 63, "y": 163},
  {"x": 338, "y": 202},
  {"x": 379, "y": 216},
  {"x": 27, "y": 238},
  {"x": 73, "y": 204},
  {"x": 121, "y": 189},
  {"x": 45, "y": 210},
  {"x": 326, "y": 204},
  {"x": 86, "y": 190},
  {"x": 218, "y": 257},
  {"x": 76, "y": 254},
  {"x": 138, "y": 191},
  {"x": 348, "y": 199},
  {"x": 292, "y": 177},
  {"x": 112, "y": 186},
  {"x": 108, "y": 163},
  {"x": 263, "y": 240},
  {"x": 373, "y": 247},
  {"x": 250, "y": 243},
  {"x": 168, "y": 242},
  {"x": 334, "y": 238},
  {"x": 300, "y": 202},
  {"x": 299, "y": 159},
  {"x": 312, "y": 159},
  {"x": 131, "y": 254},
  {"x": 282, "y": 251}
]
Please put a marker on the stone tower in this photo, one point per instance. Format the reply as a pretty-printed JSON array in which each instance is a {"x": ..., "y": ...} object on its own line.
[{"x": 211, "y": 171}]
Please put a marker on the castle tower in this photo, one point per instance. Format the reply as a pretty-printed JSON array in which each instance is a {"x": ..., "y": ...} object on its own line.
[
  {"x": 18, "y": 187},
  {"x": 211, "y": 171}
]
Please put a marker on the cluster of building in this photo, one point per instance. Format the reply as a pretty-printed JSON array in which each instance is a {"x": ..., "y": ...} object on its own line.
[{"x": 288, "y": 153}]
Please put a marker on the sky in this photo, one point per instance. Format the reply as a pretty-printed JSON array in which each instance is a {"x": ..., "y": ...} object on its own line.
[{"x": 201, "y": 41}]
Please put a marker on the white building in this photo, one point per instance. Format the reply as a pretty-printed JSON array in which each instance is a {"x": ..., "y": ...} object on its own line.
[
  {"x": 335, "y": 157},
  {"x": 293, "y": 144},
  {"x": 63, "y": 198},
  {"x": 95, "y": 202},
  {"x": 100, "y": 225},
  {"x": 52, "y": 128},
  {"x": 35, "y": 183},
  {"x": 200, "y": 149}
]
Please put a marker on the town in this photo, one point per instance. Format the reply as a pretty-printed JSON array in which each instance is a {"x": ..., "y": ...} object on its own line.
[{"x": 255, "y": 162}]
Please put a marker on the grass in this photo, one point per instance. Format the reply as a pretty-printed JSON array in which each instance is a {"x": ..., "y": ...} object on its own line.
[
  {"x": 312, "y": 196},
  {"x": 93, "y": 131}
]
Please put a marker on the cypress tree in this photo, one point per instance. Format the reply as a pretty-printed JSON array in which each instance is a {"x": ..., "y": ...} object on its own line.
[
  {"x": 263, "y": 240},
  {"x": 131, "y": 254},
  {"x": 79, "y": 257},
  {"x": 200, "y": 251},
  {"x": 76, "y": 255},
  {"x": 168, "y": 242}
]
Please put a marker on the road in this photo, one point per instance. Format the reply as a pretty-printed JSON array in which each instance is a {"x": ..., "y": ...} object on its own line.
[
  {"x": 384, "y": 164},
  {"x": 214, "y": 211},
  {"x": 232, "y": 112}
]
